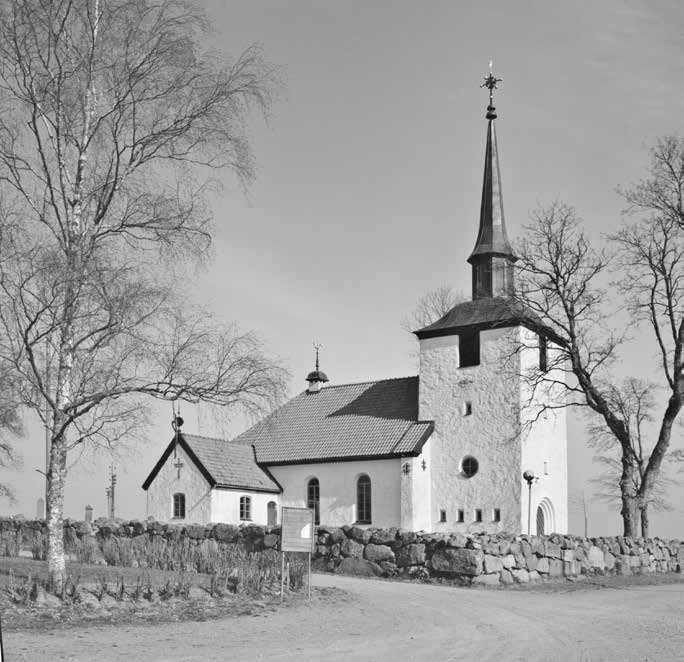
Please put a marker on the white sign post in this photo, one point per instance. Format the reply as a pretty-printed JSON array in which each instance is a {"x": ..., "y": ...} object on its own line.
[{"x": 296, "y": 535}]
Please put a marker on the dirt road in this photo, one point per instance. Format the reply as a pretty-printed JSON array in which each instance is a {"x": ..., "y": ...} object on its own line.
[{"x": 380, "y": 620}]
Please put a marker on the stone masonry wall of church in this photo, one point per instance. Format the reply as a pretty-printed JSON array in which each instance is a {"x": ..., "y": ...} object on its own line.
[{"x": 489, "y": 433}]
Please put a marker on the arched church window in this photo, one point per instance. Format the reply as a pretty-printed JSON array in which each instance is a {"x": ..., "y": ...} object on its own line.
[
  {"x": 313, "y": 498},
  {"x": 245, "y": 507},
  {"x": 540, "y": 521},
  {"x": 363, "y": 499},
  {"x": 469, "y": 466},
  {"x": 271, "y": 513},
  {"x": 179, "y": 505}
]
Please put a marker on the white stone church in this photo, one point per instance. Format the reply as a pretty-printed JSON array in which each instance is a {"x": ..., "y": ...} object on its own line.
[{"x": 441, "y": 451}]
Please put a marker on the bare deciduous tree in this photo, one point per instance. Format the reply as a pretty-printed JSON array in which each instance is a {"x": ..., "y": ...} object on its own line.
[
  {"x": 114, "y": 126},
  {"x": 431, "y": 306},
  {"x": 560, "y": 278},
  {"x": 635, "y": 400}
]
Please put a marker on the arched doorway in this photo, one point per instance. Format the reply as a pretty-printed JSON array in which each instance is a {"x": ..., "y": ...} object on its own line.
[
  {"x": 271, "y": 513},
  {"x": 546, "y": 519}
]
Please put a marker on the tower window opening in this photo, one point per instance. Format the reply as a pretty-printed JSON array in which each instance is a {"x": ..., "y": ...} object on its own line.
[
  {"x": 461, "y": 516},
  {"x": 469, "y": 349},
  {"x": 496, "y": 515},
  {"x": 468, "y": 408},
  {"x": 442, "y": 515},
  {"x": 543, "y": 354},
  {"x": 478, "y": 514}
]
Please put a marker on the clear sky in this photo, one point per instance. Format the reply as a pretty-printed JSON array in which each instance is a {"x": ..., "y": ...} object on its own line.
[{"x": 369, "y": 182}]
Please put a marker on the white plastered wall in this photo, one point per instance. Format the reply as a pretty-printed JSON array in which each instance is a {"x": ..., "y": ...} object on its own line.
[
  {"x": 543, "y": 442},
  {"x": 225, "y": 506},
  {"x": 490, "y": 433},
  {"x": 337, "y": 481},
  {"x": 415, "y": 491},
  {"x": 188, "y": 481}
]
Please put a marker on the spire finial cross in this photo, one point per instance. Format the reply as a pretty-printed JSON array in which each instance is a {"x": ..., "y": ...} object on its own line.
[{"x": 490, "y": 82}]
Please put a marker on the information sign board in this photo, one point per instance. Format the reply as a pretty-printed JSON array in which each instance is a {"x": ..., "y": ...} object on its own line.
[{"x": 297, "y": 530}]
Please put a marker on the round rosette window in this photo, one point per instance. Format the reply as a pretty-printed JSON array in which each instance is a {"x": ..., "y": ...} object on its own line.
[{"x": 469, "y": 466}]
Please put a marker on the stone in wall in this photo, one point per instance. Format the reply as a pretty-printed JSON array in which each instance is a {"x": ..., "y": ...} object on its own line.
[
  {"x": 352, "y": 548},
  {"x": 456, "y": 562},
  {"x": 359, "y": 567},
  {"x": 413, "y": 554},
  {"x": 379, "y": 553},
  {"x": 383, "y": 536}
]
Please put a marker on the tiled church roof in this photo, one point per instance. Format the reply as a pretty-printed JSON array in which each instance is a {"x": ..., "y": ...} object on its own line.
[
  {"x": 222, "y": 463},
  {"x": 353, "y": 421}
]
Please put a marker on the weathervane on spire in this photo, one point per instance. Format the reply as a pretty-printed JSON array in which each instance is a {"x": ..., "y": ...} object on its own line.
[
  {"x": 490, "y": 82},
  {"x": 317, "y": 346}
]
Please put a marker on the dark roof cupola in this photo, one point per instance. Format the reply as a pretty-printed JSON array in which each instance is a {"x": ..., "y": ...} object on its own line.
[
  {"x": 492, "y": 258},
  {"x": 317, "y": 377}
]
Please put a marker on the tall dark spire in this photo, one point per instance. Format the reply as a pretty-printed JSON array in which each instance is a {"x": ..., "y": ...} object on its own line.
[{"x": 492, "y": 258}]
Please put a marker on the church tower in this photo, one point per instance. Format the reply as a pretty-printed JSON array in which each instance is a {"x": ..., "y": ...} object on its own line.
[{"x": 472, "y": 362}]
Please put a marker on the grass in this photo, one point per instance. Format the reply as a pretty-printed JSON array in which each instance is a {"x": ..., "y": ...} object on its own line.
[
  {"x": 228, "y": 569},
  {"x": 228, "y": 565}
]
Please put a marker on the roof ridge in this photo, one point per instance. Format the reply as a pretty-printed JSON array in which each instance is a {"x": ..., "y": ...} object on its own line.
[
  {"x": 370, "y": 381},
  {"x": 202, "y": 436}
]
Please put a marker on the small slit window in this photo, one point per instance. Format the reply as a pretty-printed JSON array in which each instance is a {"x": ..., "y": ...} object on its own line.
[
  {"x": 442, "y": 515},
  {"x": 496, "y": 515},
  {"x": 245, "y": 508},
  {"x": 467, "y": 408},
  {"x": 543, "y": 354},
  {"x": 179, "y": 505},
  {"x": 478, "y": 514},
  {"x": 469, "y": 349},
  {"x": 461, "y": 516}
]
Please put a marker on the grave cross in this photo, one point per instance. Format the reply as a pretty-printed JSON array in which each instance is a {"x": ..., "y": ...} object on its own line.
[{"x": 179, "y": 465}]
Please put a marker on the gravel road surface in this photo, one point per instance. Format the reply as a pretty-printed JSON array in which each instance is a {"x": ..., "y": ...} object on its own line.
[{"x": 373, "y": 620}]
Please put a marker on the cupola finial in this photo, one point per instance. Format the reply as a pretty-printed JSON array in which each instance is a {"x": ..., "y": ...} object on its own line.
[{"x": 316, "y": 378}]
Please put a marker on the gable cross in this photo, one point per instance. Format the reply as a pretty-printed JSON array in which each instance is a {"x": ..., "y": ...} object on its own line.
[{"x": 179, "y": 465}]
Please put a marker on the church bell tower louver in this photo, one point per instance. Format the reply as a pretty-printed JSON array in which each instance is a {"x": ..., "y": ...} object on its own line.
[{"x": 492, "y": 258}]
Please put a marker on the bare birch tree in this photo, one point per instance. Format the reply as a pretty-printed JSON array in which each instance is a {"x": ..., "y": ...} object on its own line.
[
  {"x": 114, "y": 125},
  {"x": 560, "y": 279}
]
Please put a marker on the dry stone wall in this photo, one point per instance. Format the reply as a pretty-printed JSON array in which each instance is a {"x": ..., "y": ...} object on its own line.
[
  {"x": 471, "y": 558},
  {"x": 489, "y": 558}
]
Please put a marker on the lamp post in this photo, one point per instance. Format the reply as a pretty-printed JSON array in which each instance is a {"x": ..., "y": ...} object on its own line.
[{"x": 529, "y": 477}]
